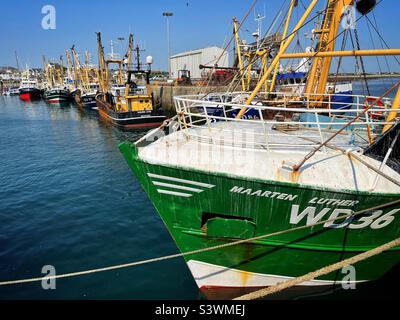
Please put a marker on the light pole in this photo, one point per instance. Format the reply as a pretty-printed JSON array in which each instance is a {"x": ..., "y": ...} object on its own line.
[{"x": 168, "y": 14}]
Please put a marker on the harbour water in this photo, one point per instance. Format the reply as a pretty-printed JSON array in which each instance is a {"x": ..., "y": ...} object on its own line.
[{"x": 68, "y": 199}]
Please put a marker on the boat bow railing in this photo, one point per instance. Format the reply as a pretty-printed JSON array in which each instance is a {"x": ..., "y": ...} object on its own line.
[{"x": 280, "y": 120}]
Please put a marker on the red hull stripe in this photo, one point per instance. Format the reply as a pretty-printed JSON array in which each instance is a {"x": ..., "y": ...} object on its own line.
[{"x": 25, "y": 96}]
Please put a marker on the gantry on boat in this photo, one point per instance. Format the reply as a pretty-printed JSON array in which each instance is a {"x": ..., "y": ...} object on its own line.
[
  {"x": 132, "y": 106},
  {"x": 85, "y": 80},
  {"x": 56, "y": 91}
]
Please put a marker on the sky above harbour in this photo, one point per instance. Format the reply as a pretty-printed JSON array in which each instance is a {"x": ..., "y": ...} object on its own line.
[{"x": 194, "y": 24}]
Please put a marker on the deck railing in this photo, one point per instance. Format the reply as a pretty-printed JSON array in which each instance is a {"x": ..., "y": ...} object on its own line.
[{"x": 286, "y": 121}]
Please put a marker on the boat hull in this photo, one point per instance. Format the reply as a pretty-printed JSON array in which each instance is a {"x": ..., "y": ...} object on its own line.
[
  {"x": 89, "y": 101},
  {"x": 130, "y": 120},
  {"x": 86, "y": 101},
  {"x": 29, "y": 94},
  {"x": 57, "y": 96},
  {"x": 203, "y": 209}
]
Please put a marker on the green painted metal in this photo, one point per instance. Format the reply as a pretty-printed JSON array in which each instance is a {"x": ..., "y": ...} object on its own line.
[
  {"x": 229, "y": 228},
  {"x": 271, "y": 206}
]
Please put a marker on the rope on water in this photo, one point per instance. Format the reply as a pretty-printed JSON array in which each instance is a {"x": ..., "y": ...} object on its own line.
[
  {"x": 320, "y": 272},
  {"x": 225, "y": 245}
]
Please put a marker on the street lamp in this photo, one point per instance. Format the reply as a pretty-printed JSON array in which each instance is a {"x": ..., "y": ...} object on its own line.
[{"x": 168, "y": 14}]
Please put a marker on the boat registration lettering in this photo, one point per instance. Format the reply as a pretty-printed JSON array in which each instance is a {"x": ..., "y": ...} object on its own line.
[{"x": 376, "y": 219}]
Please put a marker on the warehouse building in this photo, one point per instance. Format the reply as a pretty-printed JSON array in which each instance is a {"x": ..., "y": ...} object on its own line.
[{"x": 191, "y": 61}]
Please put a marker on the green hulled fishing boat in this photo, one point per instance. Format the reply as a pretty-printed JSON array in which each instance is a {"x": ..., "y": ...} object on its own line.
[
  {"x": 211, "y": 194},
  {"x": 219, "y": 179}
]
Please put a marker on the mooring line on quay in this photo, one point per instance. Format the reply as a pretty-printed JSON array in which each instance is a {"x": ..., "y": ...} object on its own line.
[
  {"x": 262, "y": 293},
  {"x": 168, "y": 257}
]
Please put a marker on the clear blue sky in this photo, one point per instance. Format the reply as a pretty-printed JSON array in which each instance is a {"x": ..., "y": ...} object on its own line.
[{"x": 195, "y": 24}]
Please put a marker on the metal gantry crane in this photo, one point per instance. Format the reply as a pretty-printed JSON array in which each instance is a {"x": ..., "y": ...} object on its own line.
[{"x": 327, "y": 34}]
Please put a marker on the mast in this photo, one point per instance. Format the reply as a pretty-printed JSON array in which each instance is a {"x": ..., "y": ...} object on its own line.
[
  {"x": 86, "y": 68},
  {"x": 69, "y": 67},
  {"x": 17, "y": 60},
  {"x": 239, "y": 52},
  {"x": 61, "y": 80},
  {"x": 47, "y": 72},
  {"x": 289, "y": 15},
  {"x": 103, "y": 68},
  {"x": 78, "y": 68},
  {"x": 319, "y": 72},
  {"x": 129, "y": 51},
  {"x": 277, "y": 58}
]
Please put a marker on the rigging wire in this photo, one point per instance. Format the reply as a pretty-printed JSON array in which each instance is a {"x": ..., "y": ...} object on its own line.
[
  {"x": 383, "y": 42},
  {"x": 230, "y": 41},
  {"x": 357, "y": 66},
  {"x": 361, "y": 61},
  {"x": 297, "y": 30},
  {"x": 335, "y": 38},
  {"x": 344, "y": 41},
  {"x": 236, "y": 81},
  {"x": 379, "y": 34},
  {"x": 373, "y": 44}
]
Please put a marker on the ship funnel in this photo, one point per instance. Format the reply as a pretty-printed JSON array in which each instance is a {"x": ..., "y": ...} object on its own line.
[{"x": 365, "y": 6}]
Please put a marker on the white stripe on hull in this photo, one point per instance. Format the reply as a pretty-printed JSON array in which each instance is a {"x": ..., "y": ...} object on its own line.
[
  {"x": 200, "y": 184},
  {"x": 210, "y": 275},
  {"x": 174, "y": 193},
  {"x": 175, "y": 186}
]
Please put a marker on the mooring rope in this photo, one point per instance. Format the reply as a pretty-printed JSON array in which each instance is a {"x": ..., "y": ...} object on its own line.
[
  {"x": 320, "y": 272},
  {"x": 225, "y": 245}
]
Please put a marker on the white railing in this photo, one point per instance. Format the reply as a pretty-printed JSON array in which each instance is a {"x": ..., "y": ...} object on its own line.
[{"x": 294, "y": 122}]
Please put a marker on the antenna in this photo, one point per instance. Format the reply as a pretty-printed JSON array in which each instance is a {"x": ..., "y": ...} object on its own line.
[
  {"x": 259, "y": 19},
  {"x": 16, "y": 58}
]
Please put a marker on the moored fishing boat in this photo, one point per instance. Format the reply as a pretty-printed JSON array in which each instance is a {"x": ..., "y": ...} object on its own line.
[
  {"x": 57, "y": 95},
  {"x": 57, "y": 91},
  {"x": 87, "y": 98},
  {"x": 133, "y": 110},
  {"x": 85, "y": 79},
  {"x": 130, "y": 106},
  {"x": 29, "y": 90},
  {"x": 209, "y": 190},
  {"x": 218, "y": 179}
]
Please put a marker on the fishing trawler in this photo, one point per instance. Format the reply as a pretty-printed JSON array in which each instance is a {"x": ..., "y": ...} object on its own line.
[
  {"x": 132, "y": 110},
  {"x": 57, "y": 91},
  {"x": 134, "y": 107},
  {"x": 85, "y": 79},
  {"x": 57, "y": 95},
  {"x": 216, "y": 180},
  {"x": 29, "y": 88},
  {"x": 87, "y": 98}
]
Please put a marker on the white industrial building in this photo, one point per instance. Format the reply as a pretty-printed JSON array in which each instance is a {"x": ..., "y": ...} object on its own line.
[{"x": 191, "y": 60}]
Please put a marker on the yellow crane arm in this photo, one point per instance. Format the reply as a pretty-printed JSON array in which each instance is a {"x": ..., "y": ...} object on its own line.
[{"x": 318, "y": 75}]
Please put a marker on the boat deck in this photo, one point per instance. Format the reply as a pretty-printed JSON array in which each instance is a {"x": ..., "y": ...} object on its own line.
[
  {"x": 219, "y": 148},
  {"x": 288, "y": 137}
]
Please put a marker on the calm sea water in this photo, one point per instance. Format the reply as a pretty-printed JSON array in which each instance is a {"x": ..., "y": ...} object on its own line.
[{"x": 68, "y": 199}]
